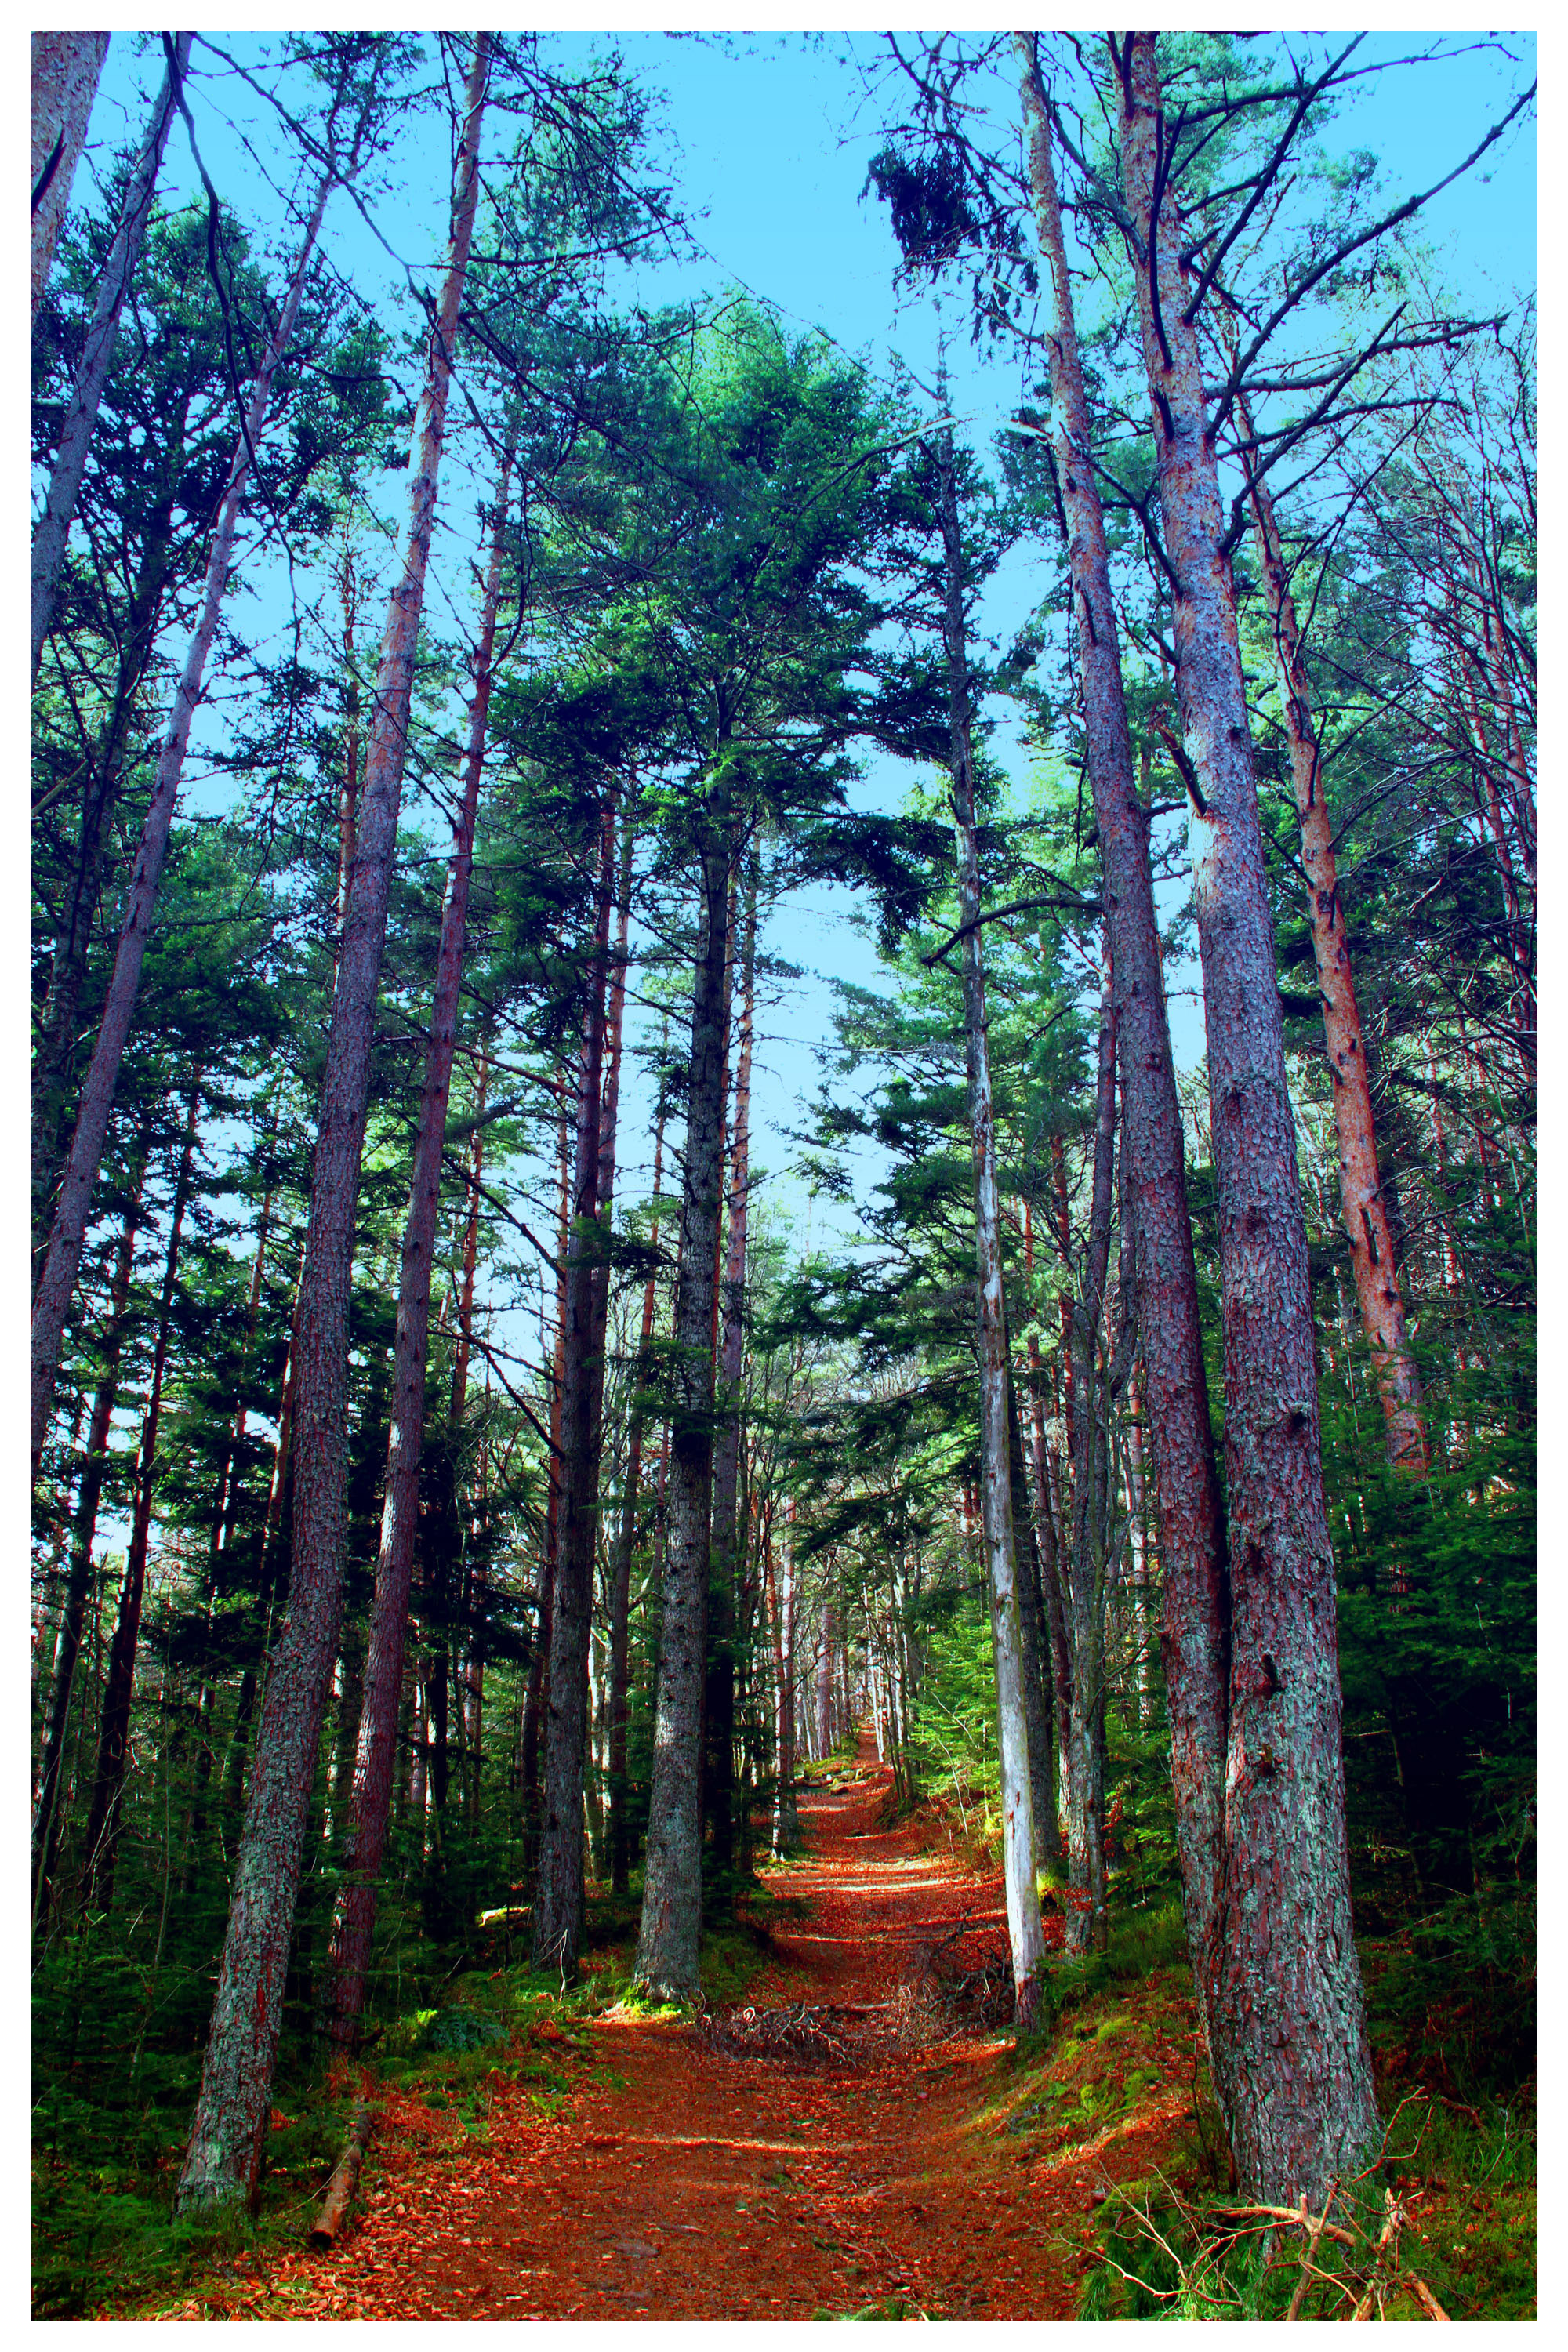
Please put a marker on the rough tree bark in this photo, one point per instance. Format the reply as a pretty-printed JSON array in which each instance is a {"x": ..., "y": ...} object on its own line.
[
  {"x": 1196, "y": 1631},
  {"x": 92, "y": 370},
  {"x": 995, "y": 1486},
  {"x": 58, "y": 1278},
  {"x": 1372, "y": 1260},
  {"x": 1278, "y": 1974},
  {"x": 371, "y": 1792},
  {"x": 719, "y": 1792},
  {"x": 224, "y": 2158},
  {"x": 672, "y": 1878},
  {"x": 65, "y": 68},
  {"x": 558, "y": 1891}
]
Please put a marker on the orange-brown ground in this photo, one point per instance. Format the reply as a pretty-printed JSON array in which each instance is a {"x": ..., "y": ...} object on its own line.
[{"x": 715, "y": 2186}]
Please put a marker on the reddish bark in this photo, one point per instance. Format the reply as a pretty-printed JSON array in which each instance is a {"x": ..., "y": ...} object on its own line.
[
  {"x": 1277, "y": 1964},
  {"x": 1373, "y": 1262},
  {"x": 227, "y": 2134},
  {"x": 92, "y": 370},
  {"x": 58, "y": 1278},
  {"x": 114, "y": 1723},
  {"x": 371, "y": 1792}
]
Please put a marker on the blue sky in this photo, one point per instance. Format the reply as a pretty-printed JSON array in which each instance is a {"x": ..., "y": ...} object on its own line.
[{"x": 770, "y": 136}]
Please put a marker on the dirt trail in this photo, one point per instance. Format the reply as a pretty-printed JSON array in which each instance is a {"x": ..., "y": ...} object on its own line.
[{"x": 717, "y": 2185}]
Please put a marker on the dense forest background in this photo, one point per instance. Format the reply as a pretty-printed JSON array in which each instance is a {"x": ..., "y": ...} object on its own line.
[{"x": 464, "y": 1379}]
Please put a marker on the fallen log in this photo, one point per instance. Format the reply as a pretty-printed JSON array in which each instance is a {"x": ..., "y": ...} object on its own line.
[{"x": 329, "y": 2222}]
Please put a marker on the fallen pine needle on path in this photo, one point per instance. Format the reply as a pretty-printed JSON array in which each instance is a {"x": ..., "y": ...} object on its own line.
[{"x": 840, "y": 2142}]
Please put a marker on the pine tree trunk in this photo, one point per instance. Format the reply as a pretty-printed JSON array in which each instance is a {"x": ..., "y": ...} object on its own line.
[
  {"x": 621, "y": 1577},
  {"x": 1279, "y": 1978},
  {"x": 58, "y": 1278},
  {"x": 92, "y": 370},
  {"x": 672, "y": 1878},
  {"x": 114, "y": 1723},
  {"x": 1087, "y": 1575},
  {"x": 558, "y": 1891},
  {"x": 1196, "y": 1632},
  {"x": 47, "y": 1810},
  {"x": 370, "y": 1795},
  {"x": 1032, "y": 1657},
  {"x": 1373, "y": 1259},
  {"x": 719, "y": 1777},
  {"x": 996, "y": 1504},
  {"x": 224, "y": 2158},
  {"x": 1052, "y": 1608},
  {"x": 65, "y": 68}
]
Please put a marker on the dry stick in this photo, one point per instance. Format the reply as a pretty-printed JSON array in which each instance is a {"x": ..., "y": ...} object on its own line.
[
  {"x": 1023, "y": 1925},
  {"x": 340, "y": 2189},
  {"x": 1366, "y": 1213},
  {"x": 370, "y": 1793},
  {"x": 92, "y": 373},
  {"x": 226, "y": 2135},
  {"x": 76, "y": 1185}
]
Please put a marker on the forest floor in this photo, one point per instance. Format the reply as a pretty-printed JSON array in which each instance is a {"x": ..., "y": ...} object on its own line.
[{"x": 888, "y": 2159}]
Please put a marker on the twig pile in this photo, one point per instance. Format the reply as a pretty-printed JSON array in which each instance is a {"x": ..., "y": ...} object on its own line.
[{"x": 801, "y": 2032}]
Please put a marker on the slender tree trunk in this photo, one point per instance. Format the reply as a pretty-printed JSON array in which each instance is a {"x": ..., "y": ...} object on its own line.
[
  {"x": 1052, "y": 1604},
  {"x": 1087, "y": 1576},
  {"x": 65, "y": 68},
  {"x": 997, "y": 1503},
  {"x": 348, "y": 795},
  {"x": 1032, "y": 1657},
  {"x": 1372, "y": 1258},
  {"x": 92, "y": 370},
  {"x": 621, "y": 1577},
  {"x": 370, "y": 1794},
  {"x": 672, "y": 1878},
  {"x": 538, "y": 1707},
  {"x": 47, "y": 1810},
  {"x": 477, "y": 1584},
  {"x": 558, "y": 1892},
  {"x": 224, "y": 2158},
  {"x": 721, "y": 1648},
  {"x": 58, "y": 1278},
  {"x": 114, "y": 1723},
  {"x": 1282, "y": 1982},
  {"x": 1195, "y": 1634}
]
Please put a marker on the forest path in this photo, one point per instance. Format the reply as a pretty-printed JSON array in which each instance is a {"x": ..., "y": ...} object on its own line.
[{"x": 706, "y": 2184}]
